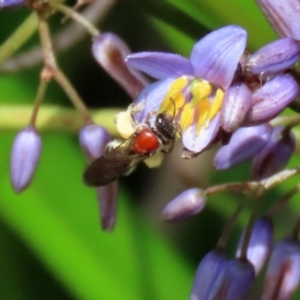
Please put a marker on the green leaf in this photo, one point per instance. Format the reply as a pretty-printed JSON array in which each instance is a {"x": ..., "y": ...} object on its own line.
[{"x": 58, "y": 217}]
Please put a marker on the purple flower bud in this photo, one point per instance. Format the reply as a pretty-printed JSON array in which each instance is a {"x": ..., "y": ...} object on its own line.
[
  {"x": 25, "y": 155},
  {"x": 237, "y": 101},
  {"x": 260, "y": 243},
  {"x": 210, "y": 276},
  {"x": 11, "y": 3},
  {"x": 110, "y": 51},
  {"x": 283, "y": 15},
  {"x": 107, "y": 198},
  {"x": 283, "y": 272},
  {"x": 272, "y": 98},
  {"x": 275, "y": 57},
  {"x": 275, "y": 155},
  {"x": 240, "y": 275},
  {"x": 244, "y": 144},
  {"x": 187, "y": 204},
  {"x": 93, "y": 139}
]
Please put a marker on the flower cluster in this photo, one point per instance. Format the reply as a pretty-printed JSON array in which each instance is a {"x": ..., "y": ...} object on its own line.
[{"x": 221, "y": 95}]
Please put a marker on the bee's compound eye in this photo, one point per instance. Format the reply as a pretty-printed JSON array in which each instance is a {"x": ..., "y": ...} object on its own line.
[{"x": 146, "y": 141}]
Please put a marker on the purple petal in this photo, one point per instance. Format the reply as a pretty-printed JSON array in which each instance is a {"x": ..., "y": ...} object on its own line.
[
  {"x": 160, "y": 65},
  {"x": 260, "y": 243},
  {"x": 216, "y": 56},
  {"x": 275, "y": 155},
  {"x": 275, "y": 57},
  {"x": 236, "y": 103},
  {"x": 187, "y": 204},
  {"x": 244, "y": 144},
  {"x": 107, "y": 198},
  {"x": 93, "y": 139},
  {"x": 239, "y": 277},
  {"x": 272, "y": 98},
  {"x": 198, "y": 141},
  {"x": 283, "y": 15},
  {"x": 25, "y": 155},
  {"x": 12, "y": 3},
  {"x": 110, "y": 51},
  {"x": 283, "y": 273},
  {"x": 151, "y": 98},
  {"x": 209, "y": 276}
]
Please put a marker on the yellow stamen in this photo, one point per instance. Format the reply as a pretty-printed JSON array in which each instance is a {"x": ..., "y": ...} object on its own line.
[
  {"x": 216, "y": 104},
  {"x": 203, "y": 105}
]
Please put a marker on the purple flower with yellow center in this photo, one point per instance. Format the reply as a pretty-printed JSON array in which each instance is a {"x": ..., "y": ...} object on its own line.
[{"x": 192, "y": 90}]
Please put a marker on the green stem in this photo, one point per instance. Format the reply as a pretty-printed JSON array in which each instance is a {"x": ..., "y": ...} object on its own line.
[
  {"x": 72, "y": 14},
  {"x": 54, "y": 118},
  {"x": 18, "y": 38},
  {"x": 56, "y": 73}
]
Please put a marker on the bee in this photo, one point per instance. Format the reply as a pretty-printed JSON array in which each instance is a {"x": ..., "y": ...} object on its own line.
[{"x": 122, "y": 158}]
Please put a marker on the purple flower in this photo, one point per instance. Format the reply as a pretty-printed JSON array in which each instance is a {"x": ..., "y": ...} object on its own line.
[
  {"x": 185, "y": 205},
  {"x": 93, "y": 140},
  {"x": 245, "y": 143},
  {"x": 25, "y": 155},
  {"x": 210, "y": 276},
  {"x": 272, "y": 98},
  {"x": 283, "y": 273},
  {"x": 192, "y": 89},
  {"x": 260, "y": 243},
  {"x": 283, "y": 15},
  {"x": 109, "y": 51},
  {"x": 12, "y": 3},
  {"x": 107, "y": 199},
  {"x": 275, "y": 57},
  {"x": 220, "y": 278},
  {"x": 275, "y": 155}
]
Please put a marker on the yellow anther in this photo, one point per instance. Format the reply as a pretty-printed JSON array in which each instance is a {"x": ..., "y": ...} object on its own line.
[
  {"x": 216, "y": 104},
  {"x": 200, "y": 89}
]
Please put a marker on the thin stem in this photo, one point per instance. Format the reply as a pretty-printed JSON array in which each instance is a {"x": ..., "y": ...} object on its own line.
[
  {"x": 296, "y": 229},
  {"x": 73, "y": 95},
  {"x": 248, "y": 231},
  {"x": 53, "y": 118},
  {"x": 255, "y": 187},
  {"x": 56, "y": 73},
  {"x": 18, "y": 38},
  {"x": 69, "y": 12},
  {"x": 38, "y": 100},
  {"x": 286, "y": 120},
  {"x": 62, "y": 41},
  {"x": 228, "y": 227},
  {"x": 280, "y": 203}
]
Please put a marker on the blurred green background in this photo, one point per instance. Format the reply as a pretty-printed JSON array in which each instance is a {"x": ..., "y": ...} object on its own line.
[{"x": 52, "y": 246}]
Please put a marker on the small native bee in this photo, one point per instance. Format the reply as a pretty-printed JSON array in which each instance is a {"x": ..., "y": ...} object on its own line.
[{"x": 144, "y": 142}]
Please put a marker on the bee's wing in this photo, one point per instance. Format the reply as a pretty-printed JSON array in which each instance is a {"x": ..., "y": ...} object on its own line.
[{"x": 107, "y": 168}]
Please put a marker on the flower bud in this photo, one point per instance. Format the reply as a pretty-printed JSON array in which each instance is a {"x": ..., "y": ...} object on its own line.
[
  {"x": 272, "y": 98},
  {"x": 283, "y": 15},
  {"x": 93, "y": 140},
  {"x": 237, "y": 101},
  {"x": 11, "y": 3},
  {"x": 110, "y": 51},
  {"x": 187, "y": 204},
  {"x": 25, "y": 155},
  {"x": 275, "y": 155},
  {"x": 275, "y": 57},
  {"x": 240, "y": 275},
  {"x": 107, "y": 199},
  {"x": 283, "y": 272},
  {"x": 210, "y": 276},
  {"x": 260, "y": 243},
  {"x": 244, "y": 144}
]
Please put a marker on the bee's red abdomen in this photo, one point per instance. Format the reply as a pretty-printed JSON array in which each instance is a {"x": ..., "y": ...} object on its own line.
[{"x": 146, "y": 141}]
